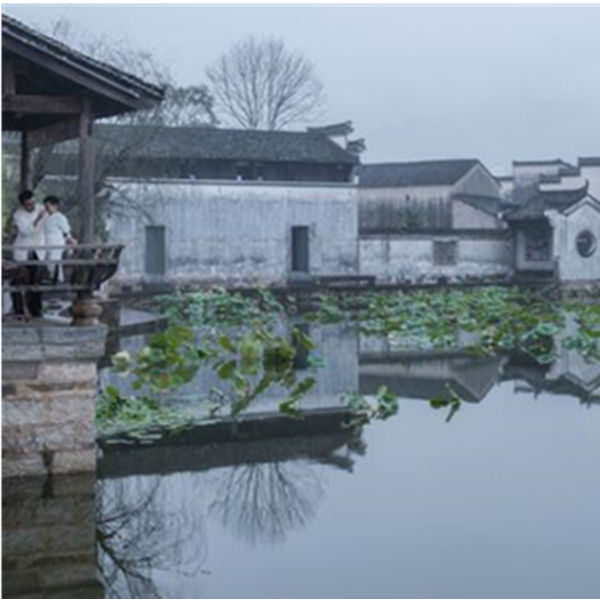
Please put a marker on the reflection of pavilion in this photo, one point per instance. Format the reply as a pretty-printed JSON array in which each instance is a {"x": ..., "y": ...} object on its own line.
[{"x": 427, "y": 375}]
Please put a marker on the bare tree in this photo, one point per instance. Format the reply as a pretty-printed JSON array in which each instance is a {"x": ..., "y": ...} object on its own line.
[{"x": 260, "y": 84}]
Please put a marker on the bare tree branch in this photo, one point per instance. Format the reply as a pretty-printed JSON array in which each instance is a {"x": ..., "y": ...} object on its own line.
[{"x": 260, "y": 84}]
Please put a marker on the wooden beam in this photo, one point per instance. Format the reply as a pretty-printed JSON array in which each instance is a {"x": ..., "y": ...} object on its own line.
[
  {"x": 41, "y": 104},
  {"x": 52, "y": 134},
  {"x": 92, "y": 81},
  {"x": 8, "y": 77},
  {"x": 85, "y": 181},
  {"x": 25, "y": 174}
]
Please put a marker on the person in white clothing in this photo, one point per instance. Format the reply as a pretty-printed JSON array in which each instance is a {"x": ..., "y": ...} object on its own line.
[
  {"x": 28, "y": 222},
  {"x": 57, "y": 232}
]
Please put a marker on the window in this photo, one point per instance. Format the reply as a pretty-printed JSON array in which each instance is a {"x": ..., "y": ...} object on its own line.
[
  {"x": 586, "y": 243},
  {"x": 444, "y": 252},
  {"x": 300, "y": 251},
  {"x": 155, "y": 250},
  {"x": 538, "y": 245}
]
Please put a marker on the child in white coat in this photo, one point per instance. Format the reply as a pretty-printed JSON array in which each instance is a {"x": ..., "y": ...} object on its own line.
[{"x": 57, "y": 232}]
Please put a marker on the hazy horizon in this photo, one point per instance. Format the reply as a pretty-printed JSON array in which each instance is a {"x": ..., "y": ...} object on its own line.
[{"x": 498, "y": 83}]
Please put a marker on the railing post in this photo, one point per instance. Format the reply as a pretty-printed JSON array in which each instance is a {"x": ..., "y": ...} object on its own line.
[{"x": 85, "y": 179}]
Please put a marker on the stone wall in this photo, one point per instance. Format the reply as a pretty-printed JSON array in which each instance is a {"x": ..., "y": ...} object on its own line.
[
  {"x": 48, "y": 538},
  {"x": 481, "y": 257},
  {"x": 49, "y": 389},
  {"x": 236, "y": 233}
]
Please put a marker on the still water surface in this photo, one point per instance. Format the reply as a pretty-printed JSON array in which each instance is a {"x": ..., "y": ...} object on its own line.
[{"x": 502, "y": 501}]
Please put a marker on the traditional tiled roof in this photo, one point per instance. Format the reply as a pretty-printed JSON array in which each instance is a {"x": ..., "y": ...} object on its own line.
[
  {"x": 18, "y": 38},
  {"x": 534, "y": 207},
  {"x": 554, "y": 161},
  {"x": 589, "y": 161},
  {"x": 226, "y": 144},
  {"x": 409, "y": 174}
]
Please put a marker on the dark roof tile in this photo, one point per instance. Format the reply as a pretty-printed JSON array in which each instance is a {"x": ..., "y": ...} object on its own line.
[
  {"x": 429, "y": 172},
  {"x": 226, "y": 144},
  {"x": 134, "y": 86}
]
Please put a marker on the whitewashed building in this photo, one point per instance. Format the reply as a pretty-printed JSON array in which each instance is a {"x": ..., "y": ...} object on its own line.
[
  {"x": 439, "y": 220},
  {"x": 554, "y": 213},
  {"x": 231, "y": 207}
]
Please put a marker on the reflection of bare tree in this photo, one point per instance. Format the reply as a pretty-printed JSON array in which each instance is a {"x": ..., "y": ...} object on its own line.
[
  {"x": 261, "y": 502},
  {"x": 141, "y": 529}
]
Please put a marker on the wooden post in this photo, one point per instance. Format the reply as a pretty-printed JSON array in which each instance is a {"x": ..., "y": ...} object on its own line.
[
  {"x": 25, "y": 179},
  {"x": 85, "y": 181}
]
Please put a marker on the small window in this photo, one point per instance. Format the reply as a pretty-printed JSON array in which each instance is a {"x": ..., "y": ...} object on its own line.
[
  {"x": 300, "y": 250},
  {"x": 444, "y": 252},
  {"x": 586, "y": 243},
  {"x": 155, "y": 250}
]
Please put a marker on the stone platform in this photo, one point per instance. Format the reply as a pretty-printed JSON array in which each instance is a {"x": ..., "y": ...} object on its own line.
[{"x": 49, "y": 390}]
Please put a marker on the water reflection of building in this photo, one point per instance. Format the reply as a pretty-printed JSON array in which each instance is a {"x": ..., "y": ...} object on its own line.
[
  {"x": 427, "y": 375},
  {"x": 48, "y": 538}
]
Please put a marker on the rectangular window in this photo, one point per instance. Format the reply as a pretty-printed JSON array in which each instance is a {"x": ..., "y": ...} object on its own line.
[
  {"x": 300, "y": 250},
  {"x": 155, "y": 250},
  {"x": 444, "y": 252}
]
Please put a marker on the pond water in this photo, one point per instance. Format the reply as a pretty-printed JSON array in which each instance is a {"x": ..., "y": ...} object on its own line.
[{"x": 501, "y": 501}]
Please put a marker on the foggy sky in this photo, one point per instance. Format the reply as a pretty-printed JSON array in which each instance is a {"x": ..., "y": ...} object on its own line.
[{"x": 491, "y": 82}]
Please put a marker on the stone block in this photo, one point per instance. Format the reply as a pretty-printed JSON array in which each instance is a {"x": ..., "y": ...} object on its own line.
[
  {"x": 74, "y": 461},
  {"x": 51, "y": 372},
  {"x": 31, "y": 439},
  {"x": 73, "y": 335},
  {"x": 19, "y": 370},
  {"x": 89, "y": 350},
  {"x": 20, "y": 336},
  {"x": 21, "y": 465},
  {"x": 19, "y": 412},
  {"x": 21, "y": 352},
  {"x": 79, "y": 406},
  {"x": 20, "y": 441}
]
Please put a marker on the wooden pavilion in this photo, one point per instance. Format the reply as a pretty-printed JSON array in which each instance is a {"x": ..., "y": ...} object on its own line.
[{"x": 51, "y": 93}]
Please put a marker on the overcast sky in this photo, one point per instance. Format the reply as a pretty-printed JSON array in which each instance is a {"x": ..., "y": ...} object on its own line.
[{"x": 491, "y": 82}]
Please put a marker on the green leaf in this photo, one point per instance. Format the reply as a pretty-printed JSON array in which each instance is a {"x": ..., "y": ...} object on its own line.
[
  {"x": 289, "y": 407},
  {"x": 226, "y": 370},
  {"x": 226, "y": 343}
]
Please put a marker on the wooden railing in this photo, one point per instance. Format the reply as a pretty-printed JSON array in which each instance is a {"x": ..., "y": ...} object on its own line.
[{"x": 84, "y": 268}]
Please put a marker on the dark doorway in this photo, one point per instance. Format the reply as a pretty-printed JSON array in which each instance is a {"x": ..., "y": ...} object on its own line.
[
  {"x": 155, "y": 250},
  {"x": 300, "y": 249}
]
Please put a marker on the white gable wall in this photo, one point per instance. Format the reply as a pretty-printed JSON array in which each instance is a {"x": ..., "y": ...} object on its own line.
[
  {"x": 572, "y": 266},
  {"x": 478, "y": 181}
]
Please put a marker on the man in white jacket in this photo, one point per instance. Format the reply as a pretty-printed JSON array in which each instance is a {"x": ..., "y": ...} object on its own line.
[{"x": 28, "y": 221}]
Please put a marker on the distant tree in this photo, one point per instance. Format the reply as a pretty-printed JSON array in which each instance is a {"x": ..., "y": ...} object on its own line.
[{"x": 260, "y": 84}]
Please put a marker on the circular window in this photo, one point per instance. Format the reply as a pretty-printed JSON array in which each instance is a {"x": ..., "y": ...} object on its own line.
[{"x": 586, "y": 243}]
